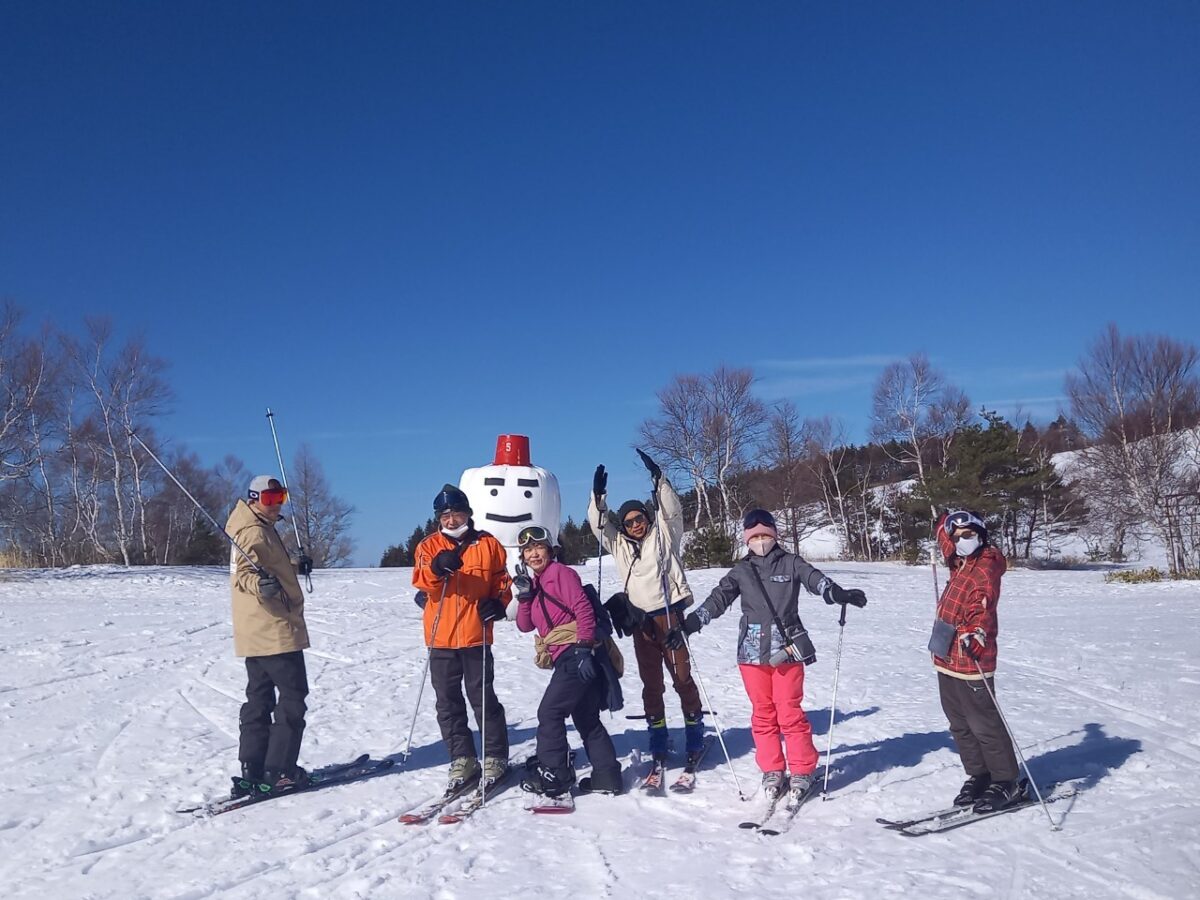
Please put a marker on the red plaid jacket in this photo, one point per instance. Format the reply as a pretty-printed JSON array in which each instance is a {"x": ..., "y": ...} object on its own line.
[{"x": 969, "y": 602}]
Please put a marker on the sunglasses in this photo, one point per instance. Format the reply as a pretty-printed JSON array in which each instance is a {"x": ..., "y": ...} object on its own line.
[
  {"x": 638, "y": 519},
  {"x": 533, "y": 534}
]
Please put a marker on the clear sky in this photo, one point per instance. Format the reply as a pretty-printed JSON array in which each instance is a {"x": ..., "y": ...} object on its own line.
[{"x": 409, "y": 227}]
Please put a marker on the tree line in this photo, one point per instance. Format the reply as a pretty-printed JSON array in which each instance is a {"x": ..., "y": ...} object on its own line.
[
  {"x": 77, "y": 488},
  {"x": 1131, "y": 474}
]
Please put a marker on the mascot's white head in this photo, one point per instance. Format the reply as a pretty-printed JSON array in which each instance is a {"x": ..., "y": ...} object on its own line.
[{"x": 512, "y": 493}]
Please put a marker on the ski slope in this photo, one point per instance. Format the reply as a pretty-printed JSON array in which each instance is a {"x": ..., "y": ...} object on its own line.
[{"x": 119, "y": 697}]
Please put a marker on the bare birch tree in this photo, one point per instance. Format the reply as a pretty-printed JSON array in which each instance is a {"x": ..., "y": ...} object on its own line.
[{"x": 323, "y": 520}]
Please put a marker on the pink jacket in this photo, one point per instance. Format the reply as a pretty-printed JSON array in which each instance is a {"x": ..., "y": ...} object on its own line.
[{"x": 558, "y": 598}]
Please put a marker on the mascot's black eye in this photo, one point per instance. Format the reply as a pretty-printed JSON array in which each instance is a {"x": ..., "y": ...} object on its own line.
[
  {"x": 528, "y": 494},
  {"x": 494, "y": 492}
]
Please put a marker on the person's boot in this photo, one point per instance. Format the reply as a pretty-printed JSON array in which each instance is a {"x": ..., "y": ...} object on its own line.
[
  {"x": 972, "y": 789},
  {"x": 798, "y": 786},
  {"x": 494, "y": 770},
  {"x": 464, "y": 774},
  {"x": 657, "y": 733},
  {"x": 774, "y": 784},
  {"x": 549, "y": 782},
  {"x": 250, "y": 782},
  {"x": 998, "y": 795},
  {"x": 602, "y": 783},
  {"x": 280, "y": 782},
  {"x": 693, "y": 733}
]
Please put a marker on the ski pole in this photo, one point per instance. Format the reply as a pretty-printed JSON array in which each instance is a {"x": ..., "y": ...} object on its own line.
[
  {"x": 425, "y": 673},
  {"x": 837, "y": 670},
  {"x": 483, "y": 711},
  {"x": 716, "y": 718},
  {"x": 1016, "y": 746},
  {"x": 283, "y": 475},
  {"x": 234, "y": 544}
]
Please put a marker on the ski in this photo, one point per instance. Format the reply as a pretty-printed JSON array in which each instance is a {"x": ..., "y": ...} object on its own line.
[
  {"x": 655, "y": 779},
  {"x": 781, "y": 823},
  {"x": 686, "y": 782},
  {"x": 422, "y": 814},
  {"x": 762, "y": 820},
  {"x": 956, "y": 817},
  {"x": 474, "y": 801},
  {"x": 540, "y": 804},
  {"x": 358, "y": 770}
]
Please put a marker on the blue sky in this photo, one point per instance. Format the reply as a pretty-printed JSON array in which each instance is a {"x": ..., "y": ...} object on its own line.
[{"x": 411, "y": 227}]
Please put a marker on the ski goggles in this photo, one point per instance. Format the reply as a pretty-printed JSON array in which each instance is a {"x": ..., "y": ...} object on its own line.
[
  {"x": 758, "y": 517},
  {"x": 270, "y": 496},
  {"x": 963, "y": 519},
  {"x": 533, "y": 534}
]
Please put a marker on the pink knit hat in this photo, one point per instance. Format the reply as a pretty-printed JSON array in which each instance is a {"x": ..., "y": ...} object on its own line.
[{"x": 758, "y": 522}]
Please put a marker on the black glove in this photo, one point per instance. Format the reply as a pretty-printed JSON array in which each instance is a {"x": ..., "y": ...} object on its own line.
[
  {"x": 626, "y": 617},
  {"x": 835, "y": 593},
  {"x": 420, "y": 598},
  {"x": 304, "y": 565},
  {"x": 491, "y": 609},
  {"x": 523, "y": 588},
  {"x": 587, "y": 663},
  {"x": 599, "y": 483},
  {"x": 651, "y": 467},
  {"x": 675, "y": 637},
  {"x": 446, "y": 562},
  {"x": 269, "y": 587},
  {"x": 973, "y": 643}
]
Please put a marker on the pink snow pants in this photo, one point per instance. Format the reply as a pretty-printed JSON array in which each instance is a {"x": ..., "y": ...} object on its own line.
[{"x": 775, "y": 695}]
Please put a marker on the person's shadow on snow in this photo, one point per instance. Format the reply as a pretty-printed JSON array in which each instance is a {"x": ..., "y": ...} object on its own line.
[
  {"x": 1087, "y": 762},
  {"x": 900, "y": 752}
]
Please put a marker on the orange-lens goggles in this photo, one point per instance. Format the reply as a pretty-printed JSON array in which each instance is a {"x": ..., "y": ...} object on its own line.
[
  {"x": 273, "y": 496},
  {"x": 533, "y": 534}
]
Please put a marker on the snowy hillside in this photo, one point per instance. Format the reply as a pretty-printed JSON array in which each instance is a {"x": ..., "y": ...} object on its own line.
[{"x": 119, "y": 697}]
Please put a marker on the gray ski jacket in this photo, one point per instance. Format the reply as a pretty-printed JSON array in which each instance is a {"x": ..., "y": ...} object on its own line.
[{"x": 782, "y": 574}]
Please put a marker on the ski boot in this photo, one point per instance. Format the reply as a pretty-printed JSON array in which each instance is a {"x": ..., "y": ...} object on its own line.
[
  {"x": 278, "y": 782},
  {"x": 250, "y": 782},
  {"x": 972, "y": 789},
  {"x": 601, "y": 784},
  {"x": 998, "y": 795},
  {"x": 494, "y": 770},
  {"x": 657, "y": 732},
  {"x": 774, "y": 784},
  {"x": 799, "y": 785},
  {"x": 548, "y": 782},
  {"x": 464, "y": 774},
  {"x": 693, "y": 734}
]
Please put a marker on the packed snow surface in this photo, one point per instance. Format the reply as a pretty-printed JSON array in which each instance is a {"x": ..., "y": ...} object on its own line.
[{"x": 119, "y": 697}]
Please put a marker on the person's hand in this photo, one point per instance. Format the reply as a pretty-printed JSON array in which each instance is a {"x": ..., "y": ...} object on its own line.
[
  {"x": 421, "y": 598},
  {"x": 973, "y": 643},
  {"x": 491, "y": 609},
  {"x": 599, "y": 483},
  {"x": 675, "y": 639},
  {"x": 587, "y": 663},
  {"x": 446, "y": 562},
  {"x": 651, "y": 467},
  {"x": 835, "y": 593},
  {"x": 304, "y": 565},
  {"x": 269, "y": 587}
]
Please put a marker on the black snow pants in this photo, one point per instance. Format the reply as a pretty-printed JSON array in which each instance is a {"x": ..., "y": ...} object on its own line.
[
  {"x": 273, "y": 746},
  {"x": 451, "y": 671},
  {"x": 569, "y": 695},
  {"x": 979, "y": 733}
]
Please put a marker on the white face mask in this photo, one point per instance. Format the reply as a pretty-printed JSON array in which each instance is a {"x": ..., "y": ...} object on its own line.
[
  {"x": 967, "y": 545},
  {"x": 762, "y": 546},
  {"x": 456, "y": 532}
]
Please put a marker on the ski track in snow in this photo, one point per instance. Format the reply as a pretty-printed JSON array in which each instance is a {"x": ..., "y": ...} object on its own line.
[{"x": 119, "y": 697}]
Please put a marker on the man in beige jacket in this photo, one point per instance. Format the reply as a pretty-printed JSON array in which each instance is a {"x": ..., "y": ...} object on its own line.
[
  {"x": 269, "y": 631},
  {"x": 646, "y": 541}
]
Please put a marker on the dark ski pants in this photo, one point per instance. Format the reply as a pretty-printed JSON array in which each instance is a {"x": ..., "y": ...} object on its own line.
[
  {"x": 650, "y": 649},
  {"x": 983, "y": 743},
  {"x": 451, "y": 671},
  {"x": 569, "y": 695},
  {"x": 273, "y": 745}
]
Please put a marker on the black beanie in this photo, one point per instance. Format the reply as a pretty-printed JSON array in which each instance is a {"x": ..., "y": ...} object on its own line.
[
  {"x": 633, "y": 506},
  {"x": 451, "y": 498}
]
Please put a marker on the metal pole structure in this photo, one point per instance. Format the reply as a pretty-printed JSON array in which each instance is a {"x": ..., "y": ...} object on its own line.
[
  {"x": 1016, "y": 746},
  {"x": 837, "y": 671},
  {"x": 483, "y": 719},
  {"x": 232, "y": 542},
  {"x": 283, "y": 477}
]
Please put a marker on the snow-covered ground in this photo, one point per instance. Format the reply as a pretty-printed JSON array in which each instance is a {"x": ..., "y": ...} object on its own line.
[{"x": 119, "y": 697}]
